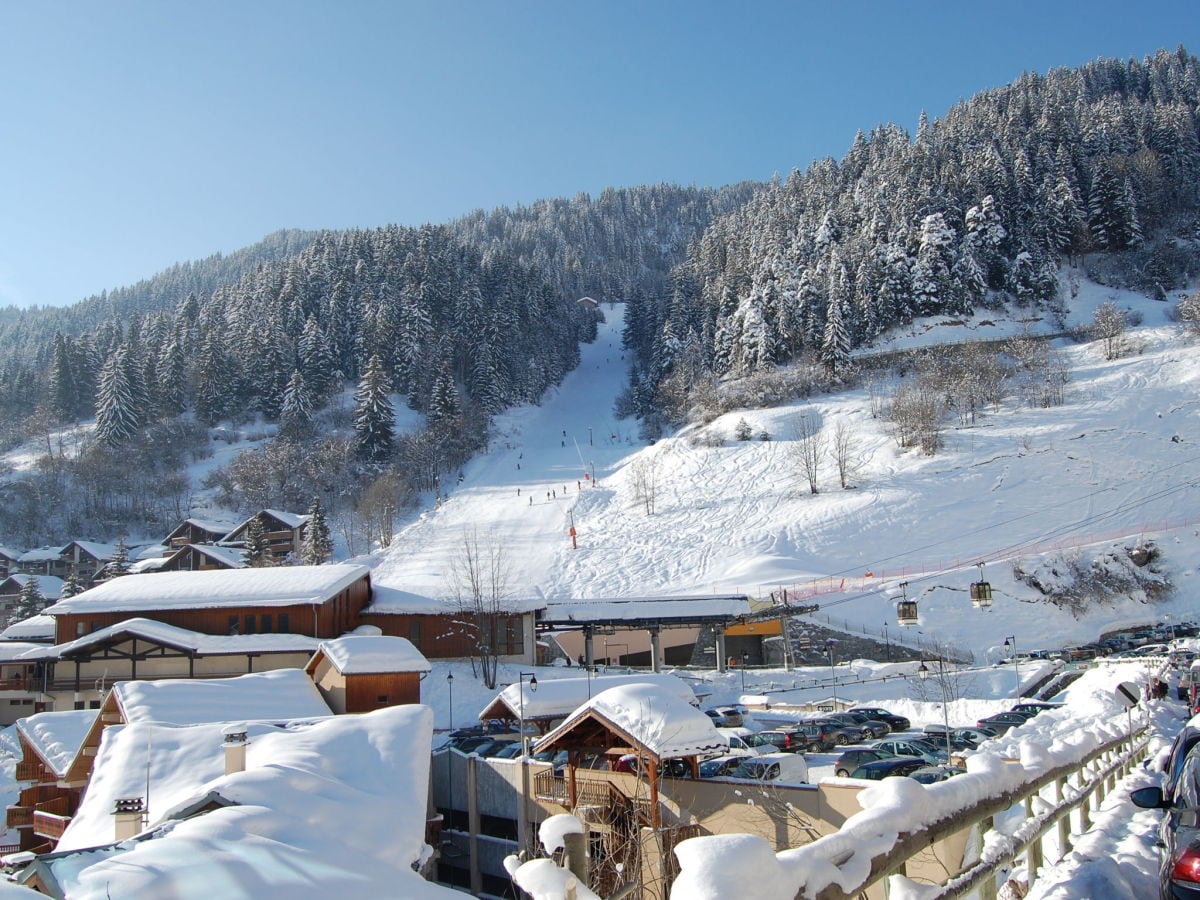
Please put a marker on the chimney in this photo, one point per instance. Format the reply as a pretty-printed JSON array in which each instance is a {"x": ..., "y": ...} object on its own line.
[
  {"x": 235, "y": 748},
  {"x": 128, "y": 814}
]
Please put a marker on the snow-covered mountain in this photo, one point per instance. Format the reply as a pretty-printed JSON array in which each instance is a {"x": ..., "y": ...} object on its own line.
[{"x": 1041, "y": 491}]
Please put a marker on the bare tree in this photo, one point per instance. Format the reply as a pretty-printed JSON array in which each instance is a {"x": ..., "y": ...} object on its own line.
[
  {"x": 845, "y": 453},
  {"x": 379, "y": 506},
  {"x": 1108, "y": 326},
  {"x": 480, "y": 585},
  {"x": 810, "y": 449},
  {"x": 645, "y": 473},
  {"x": 916, "y": 415},
  {"x": 1188, "y": 312}
]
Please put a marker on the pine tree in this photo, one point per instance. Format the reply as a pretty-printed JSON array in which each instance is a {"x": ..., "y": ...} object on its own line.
[
  {"x": 317, "y": 546},
  {"x": 257, "y": 552},
  {"x": 444, "y": 404},
  {"x": 295, "y": 416},
  {"x": 119, "y": 565},
  {"x": 117, "y": 419},
  {"x": 374, "y": 418},
  {"x": 835, "y": 346},
  {"x": 71, "y": 586},
  {"x": 29, "y": 602}
]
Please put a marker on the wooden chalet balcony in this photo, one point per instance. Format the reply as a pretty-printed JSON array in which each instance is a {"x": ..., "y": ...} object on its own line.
[
  {"x": 16, "y": 684},
  {"x": 50, "y": 825},
  {"x": 29, "y": 771},
  {"x": 18, "y": 817}
]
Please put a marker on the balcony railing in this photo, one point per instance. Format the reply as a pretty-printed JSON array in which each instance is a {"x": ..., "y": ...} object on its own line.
[
  {"x": 28, "y": 770},
  {"x": 50, "y": 825},
  {"x": 18, "y": 817}
]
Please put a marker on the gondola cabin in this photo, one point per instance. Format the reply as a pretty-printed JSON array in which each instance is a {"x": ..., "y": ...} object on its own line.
[
  {"x": 981, "y": 594},
  {"x": 906, "y": 612}
]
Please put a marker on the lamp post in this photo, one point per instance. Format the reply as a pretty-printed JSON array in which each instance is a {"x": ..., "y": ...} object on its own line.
[
  {"x": 887, "y": 643},
  {"x": 1011, "y": 641},
  {"x": 745, "y": 659},
  {"x": 923, "y": 672},
  {"x": 523, "y": 822},
  {"x": 830, "y": 647},
  {"x": 450, "y": 687}
]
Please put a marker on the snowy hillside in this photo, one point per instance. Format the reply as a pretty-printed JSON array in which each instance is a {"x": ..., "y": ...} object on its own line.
[{"x": 1111, "y": 467}]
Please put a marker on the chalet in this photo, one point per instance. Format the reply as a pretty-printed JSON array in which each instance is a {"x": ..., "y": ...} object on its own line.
[
  {"x": 360, "y": 672},
  {"x": 11, "y": 587},
  {"x": 87, "y": 558},
  {"x": 80, "y": 671},
  {"x": 50, "y": 743},
  {"x": 318, "y": 601},
  {"x": 43, "y": 561},
  {"x": 586, "y": 303},
  {"x": 8, "y": 561},
  {"x": 441, "y": 629},
  {"x": 199, "y": 531},
  {"x": 201, "y": 557},
  {"x": 290, "y": 818},
  {"x": 283, "y": 531},
  {"x": 18, "y": 680}
]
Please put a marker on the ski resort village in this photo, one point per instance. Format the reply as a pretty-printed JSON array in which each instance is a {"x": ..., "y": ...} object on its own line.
[{"x": 827, "y": 536}]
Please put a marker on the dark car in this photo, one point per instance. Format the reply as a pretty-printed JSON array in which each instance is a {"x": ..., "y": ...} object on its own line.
[
  {"x": 835, "y": 731},
  {"x": 857, "y": 756},
  {"x": 469, "y": 743},
  {"x": 925, "y": 750},
  {"x": 789, "y": 740},
  {"x": 1179, "y": 833},
  {"x": 1033, "y": 707},
  {"x": 867, "y": 727},
  {"x": 721, "y": 766},
  {"x": 896, "y": 722},
  {"x": 1003, "y": 721},
  {"x": 885, "y": 768}
]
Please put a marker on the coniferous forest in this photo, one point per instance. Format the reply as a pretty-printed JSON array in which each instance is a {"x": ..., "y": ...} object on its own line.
[{"x": 307, "y": 333}]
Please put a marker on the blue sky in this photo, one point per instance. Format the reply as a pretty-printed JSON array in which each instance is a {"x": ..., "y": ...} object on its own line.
[{"x": 138, "y": 134}]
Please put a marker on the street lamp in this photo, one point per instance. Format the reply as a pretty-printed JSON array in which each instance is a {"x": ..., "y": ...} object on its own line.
[
  {"x": 523, "y": 822},
  {"x": 745, "y": 660},
  {"x": 1011, "y": 641},
  {"x": 830, "y": 647},
  {"x": 886, "y": 643},
  {"x": 923, "y": 672},
  {"x": 450, "y": 686}
]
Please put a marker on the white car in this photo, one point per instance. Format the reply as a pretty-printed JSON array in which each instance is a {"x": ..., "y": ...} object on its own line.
[{"x": 786, "y": 768}]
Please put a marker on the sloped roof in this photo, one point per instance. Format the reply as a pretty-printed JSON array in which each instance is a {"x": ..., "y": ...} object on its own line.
[
  {"x": 214, "y": 525},
  {"x": 686, "y": 608},
  {"x": 389, "y": 600},
  {"x": 39, "y": 627},
  {"x": 230, "y": 557},
  {"x": 50, "y": 585},
  {"x": 279, "y": 695},
  {"x": 275, "y": 586},
  {"x": 41, "y": 554},
  {"x": 304, "y": 819},
  {"x": 183, "y": 639},
  {"x": 360, "y": 654},
  {"x": 5, "y": 553},
  {"x": 650, "y": 716},
  {"x": 57, "y": 736},
  {"x": 102, "y": 552},
  {"x": 559, "y": 697}
]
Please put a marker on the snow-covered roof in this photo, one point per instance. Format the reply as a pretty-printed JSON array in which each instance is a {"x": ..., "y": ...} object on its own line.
[
  {"x": 102, "y": 552},
  {"x": 291, "y": 520},
  {"x": 149, "y": 564},
  {"x": 274, "y": 586},
  {"x": 304, "y": 819},
  {"x": 41, "y": 554},
  {"x": 151, "y": 551},
  {"x": 635, "y": 608},
  {"x": 57, "y": 736},
  {"x": 389, "y": 600},
  {"x": 184, "y": 639},
  {"x": 212, "y": 525},
  {"x": 280, "y": 695},
  {"x": 230, "y": 557},
  {"x": 11, "y": 651},
  {"x": 50, "y": 585},
  {"x": 360, "y": 654},
  {"x": 560, "y": 697},
  {"x": 39, "y": 627},
  {"x": 652, "y": 716},
  {"x": 5, "y": 553}
]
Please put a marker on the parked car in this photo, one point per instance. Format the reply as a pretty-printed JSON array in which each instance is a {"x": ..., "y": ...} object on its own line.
[
  {"x": 512, "y": 751},
  {"x": 934, "y": 774},
  {"x": 885, "y": 768},
  {"x": 1003, "y": 721},
  {"x": 918, "y": 747},
  {"x": 854, "y": 757},
  {"x": 786, "y": 768},
  {"x": 867, "y": 727},
  {"x": 977, "y": 735},
  {"x": 787, "y": 740},
  {"x": 896, "y": 722},
  {"x": 746, "y": 743},
  {"x": 726, "y": 716},
  {"x": 1034, "y": 707},
  {"x": 469, "y": 743},
  {"x": 837, "y": 732},
  {"x": 1179, "y": 831},
  {"x": 492, "y": 747},
  {"x": 720, "y": 766}
]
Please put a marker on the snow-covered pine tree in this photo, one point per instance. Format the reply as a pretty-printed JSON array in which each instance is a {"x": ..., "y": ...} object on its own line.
[
  {"x": 29, "y": 602},
  {"x": 71, "y": 586},
  {"x": 119, "y": 565},
  {"x": 257, "y": 552},
  {"x": 835, "y": 346},
  {"x": 295, "y": 414},
  {"x": 374, "y": 418},
  {"x": 317, "y": 546},
  {"x": 117, "y": 419}
]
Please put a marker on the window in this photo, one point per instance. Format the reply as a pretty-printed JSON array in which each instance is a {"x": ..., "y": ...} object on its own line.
[
  {"x": 284, "y": 627},
  {"x": 414, "y": 633},
  {"x": 250, "y": 625},
  {"x": 382, "y": 699},
  {"x": 79, "y": 704},
  {"x": 80, "y": 629},
  {"x": 266, "y": 624},
  {"x": 234, "y": 625},
  {"x": 94, "y": 704}
]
